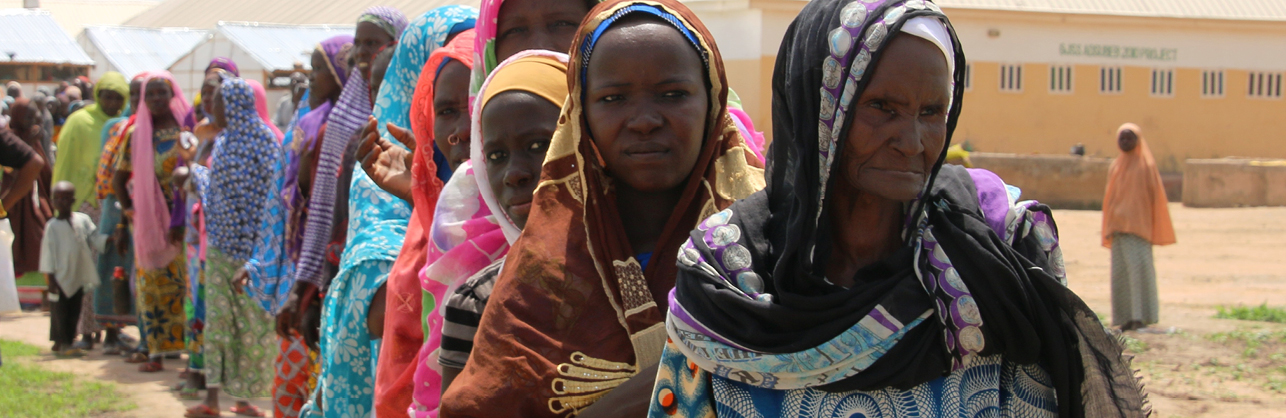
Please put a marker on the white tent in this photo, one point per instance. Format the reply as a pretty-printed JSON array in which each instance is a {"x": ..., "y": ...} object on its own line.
[
  {"x": 262, "y": 52},
  {"x": 131, "y": 50}
]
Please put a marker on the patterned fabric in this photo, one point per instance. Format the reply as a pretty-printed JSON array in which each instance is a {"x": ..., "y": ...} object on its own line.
[
  {"x": 239, "y": 184},
  {"x": 403, "y": 333},
  {"x": 984, "y": 387},
  {"x": 1134, "y": 281},
  {"x": 88, "y": 323},
  {"x": 223, "y": 63},
  {"x": 194, "y": 306},
  {"x": 573, "y": 303},
  {"x": 464, "y": 309},
  {"x": 346, "y": 384},
  {"x": 152, "y": 193},
  {"x": 269, "y": 265},
  {"x": 107, "y": 304},
  {"x": 161, "y": 293},
  {"x": 114, "y": 135},
  {"x": 240, "y": 342},
  {"x": 290, "y": 387}
]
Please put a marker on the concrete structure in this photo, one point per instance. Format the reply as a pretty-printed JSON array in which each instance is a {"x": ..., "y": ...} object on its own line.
[
  {"x": 263, "y": 52},
  {"x": 1217, "y": 65},
  {"x": 1234, "y": 182},
  {"x": 36, "y": 52},
  {"x": 1060, "y": 181},
  {"x": 131, "y": 50}
]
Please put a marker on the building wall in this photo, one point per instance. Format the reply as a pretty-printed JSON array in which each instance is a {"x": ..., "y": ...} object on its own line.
[{"x": 1178, "y": 127}]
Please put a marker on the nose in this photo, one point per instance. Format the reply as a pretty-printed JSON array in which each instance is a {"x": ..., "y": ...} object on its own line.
[
  {"x": 517, "y": 175},
  {"x": 644, "y": 121},
  {"x": 908, "y": 139},
  {"x": 541, "y": 39}
]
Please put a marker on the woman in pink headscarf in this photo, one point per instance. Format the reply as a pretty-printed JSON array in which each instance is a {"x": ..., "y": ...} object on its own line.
[{"x": 152, "y": 151}]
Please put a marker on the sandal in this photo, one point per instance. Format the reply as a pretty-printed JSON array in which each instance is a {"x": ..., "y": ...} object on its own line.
[
  {"x": 111, "y": 349},
  {"x": 151, "y": 367},
  {"x": 179, "y": 387},
  {"x": 70, "y": 353},
  {"x": 137, "y": 358},
  {"x": 201, "y": 411},
  {"x": 247, "y": 411}
]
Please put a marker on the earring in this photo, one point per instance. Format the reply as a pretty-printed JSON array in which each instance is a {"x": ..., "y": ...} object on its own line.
[{"x": 453, "y": 140}]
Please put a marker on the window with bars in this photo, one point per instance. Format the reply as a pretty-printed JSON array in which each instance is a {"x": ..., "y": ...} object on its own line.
[
  {"x": 1109, "y": 80},
  {"x": 1212, "y": 83},
  {"x": 1162, "y": 82},
  {"x": 1266, "y": 85},
  {"x": 1060, "y": 79},
  {"x": 1011, "y": 77},
  {"x": 968, "y": 76}
]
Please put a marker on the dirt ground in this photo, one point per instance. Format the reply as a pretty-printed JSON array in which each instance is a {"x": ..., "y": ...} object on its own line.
[{"x": 1196, "y": 366}]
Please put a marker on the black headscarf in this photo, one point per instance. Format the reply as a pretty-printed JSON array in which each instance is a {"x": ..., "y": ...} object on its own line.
[{"x": 782, "y": 303}]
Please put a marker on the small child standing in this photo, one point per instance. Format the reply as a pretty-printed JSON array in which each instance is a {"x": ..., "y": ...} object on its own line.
[{"x": 67, "y": 260}]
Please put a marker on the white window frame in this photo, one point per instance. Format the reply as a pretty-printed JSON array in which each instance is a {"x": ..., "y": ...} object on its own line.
[
  {"x": 1161, "y": 82},
  {"x": 1109, "y": 79},
  {"x": 1213, "y": 84},
  {"x": 1061, "y": 78},
  {"x": 1264, "y": 85},
  {"x": 1011, "y": 78}
]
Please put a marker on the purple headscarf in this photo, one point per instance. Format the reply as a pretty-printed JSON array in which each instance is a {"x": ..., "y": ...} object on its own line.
[
  {"x": 387, "y": 18},
  {"x": 223, "y": 63},
  {"x": 306, "y": 133}
]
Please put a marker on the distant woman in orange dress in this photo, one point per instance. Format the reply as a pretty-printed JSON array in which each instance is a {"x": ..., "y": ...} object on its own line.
[{"x": 1135, "y": 218}]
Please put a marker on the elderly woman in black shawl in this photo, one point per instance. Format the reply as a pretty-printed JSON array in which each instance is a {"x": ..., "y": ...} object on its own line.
[{"x": 869, "y": 278}]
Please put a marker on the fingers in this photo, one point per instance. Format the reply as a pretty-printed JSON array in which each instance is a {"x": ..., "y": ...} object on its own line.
[{"x": 402, "y": 135}]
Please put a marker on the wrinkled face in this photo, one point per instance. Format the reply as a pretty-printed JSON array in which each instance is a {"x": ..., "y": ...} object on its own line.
[
  {"x": 517, "y": 127},
  {"x": 646, "y": 103},
  {"x": 322, "y": 84},
  {"x": 451, "y": 131},
  {"x": 378, "y": 68},
  {"x": 208, "y": 86},
  {"x": 111, "y": 102},
  {"x": 135, "y": 88},
  {"x": 1127, "y": 140},
  {"x": 537, "y": 24},
  {"x": 158, "y": 97},
  {"x": 368, "y": 40},
  {"x": 898, "y": 125},
  {"x": 219, "y": 113}
]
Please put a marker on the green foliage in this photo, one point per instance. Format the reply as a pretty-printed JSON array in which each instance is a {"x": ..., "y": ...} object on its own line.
[
  {"x": 27, "y": 390},
  {"x": 1262, "y": 313}
]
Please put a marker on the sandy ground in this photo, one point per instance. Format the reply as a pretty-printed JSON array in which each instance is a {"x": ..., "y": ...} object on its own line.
[{"x": 1224, "y": 257}]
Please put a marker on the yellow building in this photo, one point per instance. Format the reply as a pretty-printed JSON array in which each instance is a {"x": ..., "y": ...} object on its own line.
[{"x": 1203, "y": 78}]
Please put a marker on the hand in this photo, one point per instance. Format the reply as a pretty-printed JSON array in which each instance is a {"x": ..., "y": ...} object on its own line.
[
  {"x": 239, "y": 281},
  {"x": 176, "y": 235},
  {"x": 388, "y": 165},
  {"x": 128, "y": 213},
  {"x": 288, "y": 318},
  {"x": 121, "y": 238},
  {"x": 53, "y": 284},
  {"x": 310, "y": 325}
]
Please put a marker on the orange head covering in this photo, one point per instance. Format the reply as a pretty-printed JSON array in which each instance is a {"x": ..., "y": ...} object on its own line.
[
  {"x": 1135, "y": 200},
  {"x": 423, "y": 169}
]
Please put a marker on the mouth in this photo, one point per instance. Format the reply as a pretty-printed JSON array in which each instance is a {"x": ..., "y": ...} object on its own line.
[
  {"x": 647, "y": 151},
  {"x": 520, "y": 209}
]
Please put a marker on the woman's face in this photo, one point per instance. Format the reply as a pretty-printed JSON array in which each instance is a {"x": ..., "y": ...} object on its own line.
[
  {"x": 517, "y": 127},
  {"x": 1127, "y": 140},
  {"x": 208, "y": 86},
  {"x": 135, "y": 88},
  {"x": 111, "y": 102},
  {"x": 158, "y": 97},
  {"x": 451, "y": 113},
  {"x": 368, "y": 40},
  {"x": 379, "y": 66},
  {"x": 219, "y": 110},
  {"x": 899, "y": 123},
  {"x": 537, "y": 24},
  {"x": 322, "y": 85},
  {"x": 646, "y": 103}
]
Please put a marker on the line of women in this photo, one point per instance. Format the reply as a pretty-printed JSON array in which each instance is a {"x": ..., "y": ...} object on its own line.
[{"x": 552, "y": 208}]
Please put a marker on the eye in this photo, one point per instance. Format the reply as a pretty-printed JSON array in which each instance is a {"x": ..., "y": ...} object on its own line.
[
  {"x": 882, "y": 106},
  {"x": 612, "y": 98},
  {"x": 514, "y": 31},
  {"x": 565, "y": 23},
  {"x": 497, "y": 156},
  {"x": 932, "y": 111},
  {"x": 676, "y": 94},
  {"x": 446, "y": 111},
  {"x": 538, "y": 146}
]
